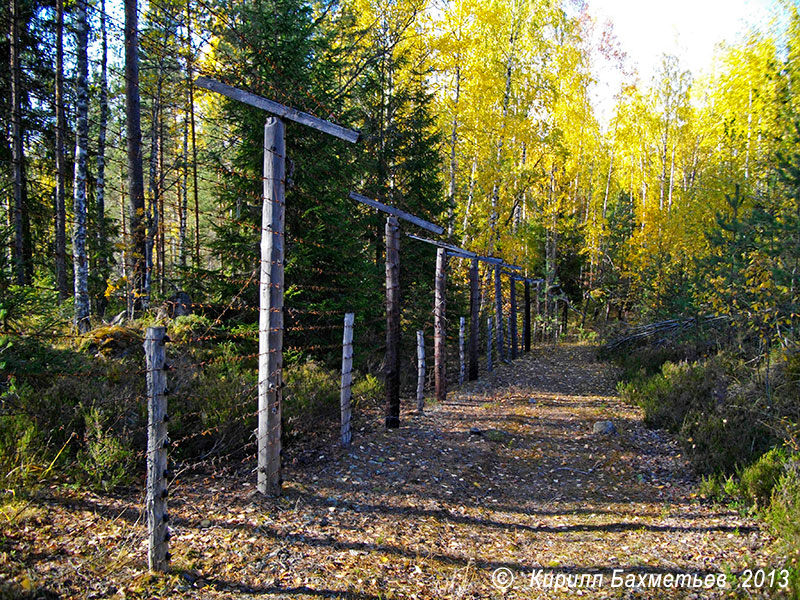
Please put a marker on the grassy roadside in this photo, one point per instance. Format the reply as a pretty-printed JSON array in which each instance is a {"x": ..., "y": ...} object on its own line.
[{"x": 736, "y": 420}]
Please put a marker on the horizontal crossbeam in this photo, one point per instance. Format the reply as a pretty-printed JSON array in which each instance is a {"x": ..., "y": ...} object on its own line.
[
  {"x": 401, "y": 214},
  {"x": 279, "y": 110}
]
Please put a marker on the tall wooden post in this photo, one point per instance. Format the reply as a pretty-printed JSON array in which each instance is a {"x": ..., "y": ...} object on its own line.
[
  {"x": 498, "y": 312},
  {"x": 439, "y": 326},
  {"x": 270, "y": 322},
  {"x": 157, "y": 443},
  {"x": 526, "y": 318},
  {"x": 474, "y": 320},
  {"x": 512, "y": 329},
  {"x": 392, "y": 322},
  {"x": 537, "y": 322},
  {"x": 347, "y": 378},
  {"x": 420, "y": 371},
  {"x": 462, "y": 367},
  {"x": 489, "y": 344}
]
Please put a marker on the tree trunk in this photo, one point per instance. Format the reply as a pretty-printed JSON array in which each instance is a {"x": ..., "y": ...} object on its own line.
[
  {"x": 190, "y": 77},
  {"x": 62, "y": 283},
  {"x": 135, "y": 171},
  {"x": 102, "y": 242},
  {"x": 451, "y": 195},
  {"x": 22, "y": 268},
  {"x": 79, "y": 255},
  {"x": 184, "y": 205}
]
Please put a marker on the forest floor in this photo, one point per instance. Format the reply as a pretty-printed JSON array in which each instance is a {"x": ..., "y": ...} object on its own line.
[{"x": 430, "y": 510}]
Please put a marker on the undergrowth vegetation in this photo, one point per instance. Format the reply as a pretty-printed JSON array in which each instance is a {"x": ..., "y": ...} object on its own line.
[
  {"x": 736, "y": 417},
  {"x": 76, "y": 411}
]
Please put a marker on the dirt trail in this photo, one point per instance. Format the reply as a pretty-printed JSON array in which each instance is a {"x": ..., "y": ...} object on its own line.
[{"x": 433, "y": 510}]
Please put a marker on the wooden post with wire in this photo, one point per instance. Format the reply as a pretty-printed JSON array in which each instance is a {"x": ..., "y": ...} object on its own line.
[
  {"x": 392, "y": 362},
  {"x": 512, "y": 325},
  {"x": 157, "y": 443},
  {"x": 420, "y": 371},
  {"x": 462, "y": 366},
  {"x": 489, "y": 344},
  {"x": 347, "y": 378},
  {"x": 439, "y": 350},
  {"x": 474, "y": 320},
  {"x": 498, "y": 313},
  {"x": 270, "y": 324},
  {"x": 526, "y": 318},
  {"x": 392, "y": 368}
]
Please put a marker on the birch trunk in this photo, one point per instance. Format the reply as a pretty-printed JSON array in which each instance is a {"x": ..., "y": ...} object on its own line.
[
  {"x": 79, "y": 258},
  {"x": 62, "y": 282},
  {"x": 102, "y": 262}
]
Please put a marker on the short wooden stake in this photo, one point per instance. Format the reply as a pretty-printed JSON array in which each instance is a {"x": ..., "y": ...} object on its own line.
[
  {"x": 537, "y": 329},
  {"x": 512, "y": 318},
  {"x": 489, "y": 344},
  {"x": 526, "y": 318},
  {"x": 439, "y": 357},
  {"x": 420, "y": 371},
  {"x": 157, "y": 443},
  {"x": 347, "y": 378},
  {"x": 392, "y": 368},
  {"x": 498, "y": 313},
  {"x": 270, "y": 322},
  {"x": 462, "y": 362},
  {"x": 474, "y": 320}
]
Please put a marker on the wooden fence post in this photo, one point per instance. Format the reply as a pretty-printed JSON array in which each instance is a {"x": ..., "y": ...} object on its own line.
[
  {"x": 526, "y": 318},
  {"x": 462, "y": 362},
  {"x": 498, "y": 313},
  {"x": 270, "y": 321},
  {"x": 439, "y": 339},
  {"x": 512, "y": 328},
  {"x": 347, "y": 377},
  {"x": 157, "y": 442},
  {"x": 489, "y": 344},
  {"x": 537, "y": 325},
  {"x": 474, "y": 320},
  {"x": 392, "y": 322},
  {"x": 420, "y": 371}
]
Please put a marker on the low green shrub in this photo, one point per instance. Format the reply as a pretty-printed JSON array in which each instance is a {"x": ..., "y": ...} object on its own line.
[
  {"x": 106, "y": 459},
  {"x": 669, "y": 396},
  {"x": 311, "y": 394},
  {"x": 723, "y": 439},
  {"x": 759, "y": 479},
  {"x": 367, "y": 390},
  {"x": 784, "y": 517}
]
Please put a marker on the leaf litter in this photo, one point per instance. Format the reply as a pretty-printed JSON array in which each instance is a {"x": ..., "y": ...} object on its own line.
[{"x": 507, "y": 473}]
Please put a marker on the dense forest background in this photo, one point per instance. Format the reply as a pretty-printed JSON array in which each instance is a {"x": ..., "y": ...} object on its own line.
[
  {"x": 474, "y": 114},
  {"x": 129, "y": 193}
]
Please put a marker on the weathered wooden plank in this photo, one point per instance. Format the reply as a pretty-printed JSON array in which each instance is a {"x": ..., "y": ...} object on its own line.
[
  {"x": 439, "y": 339},
  {"x": 278, "y": 109},
  {"x": 498, "y": 313},
  {"x": 512, "y": 319},
  {"x": 526, "y": 318},
  {"x": 474, "y": 319},
  {"x": 489, "y": 344},
  {"x": 396, "y": 212},
  {"x": 455, "y": 250},
  {"x": 462, "y": 366},
  {"x": 420, "y": 371},
  {"x": 347, "y": 378},
  {"x": 392, "y": 322},
  {"x": 157, "y": 442},
  {"x": 270, "y": 322}
]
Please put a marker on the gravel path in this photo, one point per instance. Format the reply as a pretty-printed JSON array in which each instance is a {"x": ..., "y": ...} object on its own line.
[{"x": 503, "y": 491}]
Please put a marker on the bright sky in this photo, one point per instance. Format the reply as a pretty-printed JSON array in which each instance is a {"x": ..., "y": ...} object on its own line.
[{"x": 690, "y": 29}]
